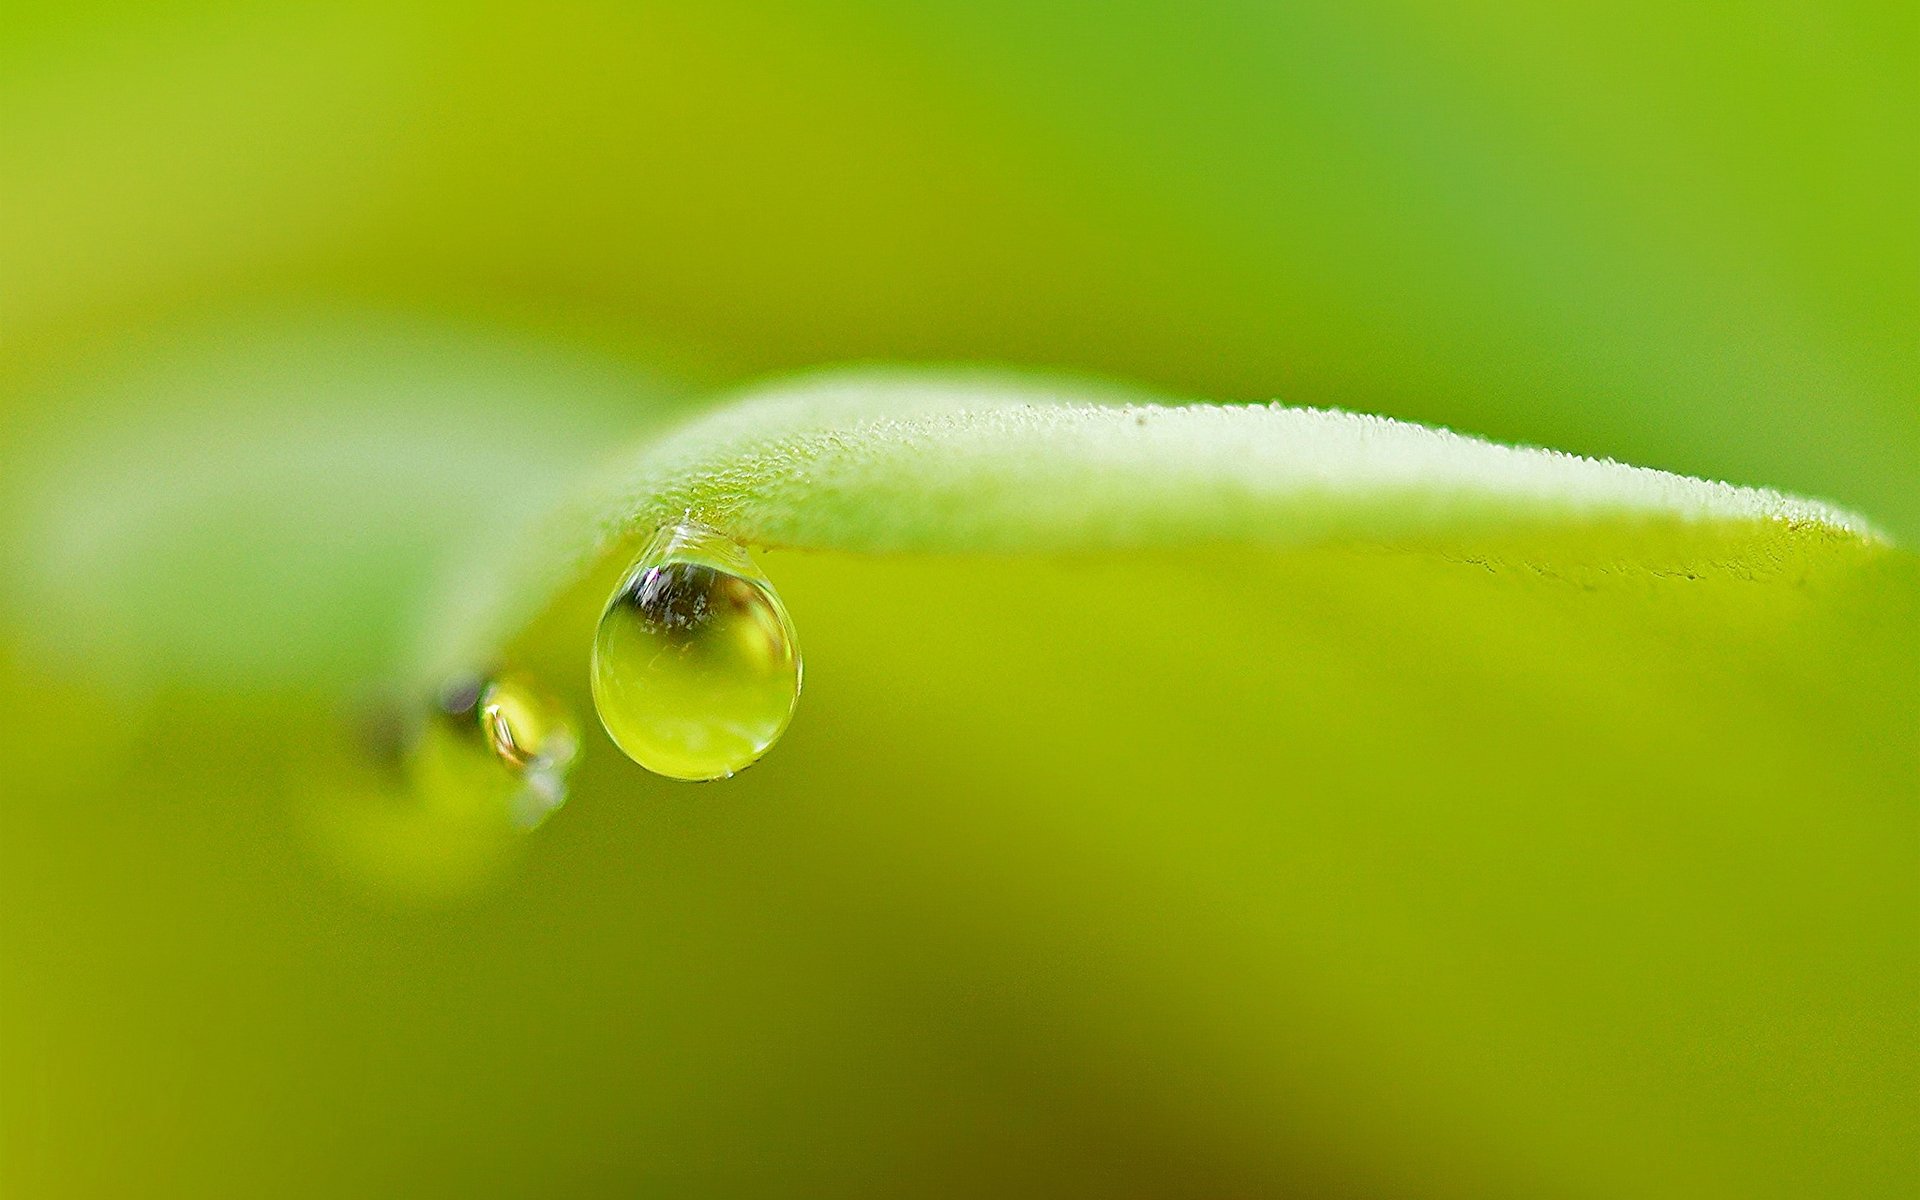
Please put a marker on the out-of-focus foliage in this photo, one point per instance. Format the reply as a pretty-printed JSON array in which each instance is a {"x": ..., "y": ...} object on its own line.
[
  {"x": 1442, "y": 871},
  {"x": 1676, "y": 234}
]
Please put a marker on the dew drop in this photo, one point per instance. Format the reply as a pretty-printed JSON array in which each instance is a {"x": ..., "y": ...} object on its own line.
[
  {"x": 503, "y": 738},
  {"x": 696, "y": 670}
]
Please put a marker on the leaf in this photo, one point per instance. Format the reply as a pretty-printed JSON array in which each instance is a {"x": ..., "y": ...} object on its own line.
[
  {"x": 890, "y": 461},
  {"x": 1339, "y": 799}
]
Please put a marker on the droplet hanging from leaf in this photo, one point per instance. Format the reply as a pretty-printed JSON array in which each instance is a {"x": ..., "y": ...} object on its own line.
[
  {"x": 504, "y": 738},
  {"x": 696, "y": 669}
]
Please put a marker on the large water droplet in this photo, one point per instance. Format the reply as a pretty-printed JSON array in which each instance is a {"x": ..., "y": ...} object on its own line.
[
  {"x": 695, "y": 666},
  {"x": 504, "y": 739}
]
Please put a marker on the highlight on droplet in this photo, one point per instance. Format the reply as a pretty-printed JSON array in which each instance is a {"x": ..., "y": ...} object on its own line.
[{"x": 696, "y": 669}]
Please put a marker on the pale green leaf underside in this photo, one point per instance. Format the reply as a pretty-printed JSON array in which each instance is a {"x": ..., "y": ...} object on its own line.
[{"x": 899, "y": 461}]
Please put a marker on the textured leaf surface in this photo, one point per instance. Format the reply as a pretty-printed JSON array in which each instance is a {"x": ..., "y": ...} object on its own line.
[{"x": 915, "y": 462}]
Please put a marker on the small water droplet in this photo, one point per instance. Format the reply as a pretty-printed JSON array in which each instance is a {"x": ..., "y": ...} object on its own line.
[
  {"x": 503, "y": 737},
  {"x": 696, "y": 670}
]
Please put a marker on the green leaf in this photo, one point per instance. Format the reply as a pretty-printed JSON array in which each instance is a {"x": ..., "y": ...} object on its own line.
[
  {"x": 1395, "y": 808},
  {"x": 893, "y": 461}
]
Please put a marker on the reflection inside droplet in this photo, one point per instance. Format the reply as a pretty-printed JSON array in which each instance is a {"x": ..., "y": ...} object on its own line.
[{"x": 696, "y": 670}]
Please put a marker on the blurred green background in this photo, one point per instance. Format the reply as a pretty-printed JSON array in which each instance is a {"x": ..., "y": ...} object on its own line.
[
  {"x": 1677, "y": 234},
  {"x": 301, "y": 302}
]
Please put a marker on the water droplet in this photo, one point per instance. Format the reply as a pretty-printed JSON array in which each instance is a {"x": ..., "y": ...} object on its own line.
[
  {"x": 696, "y": 670},
  {"x": 502, "y": 739}
]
